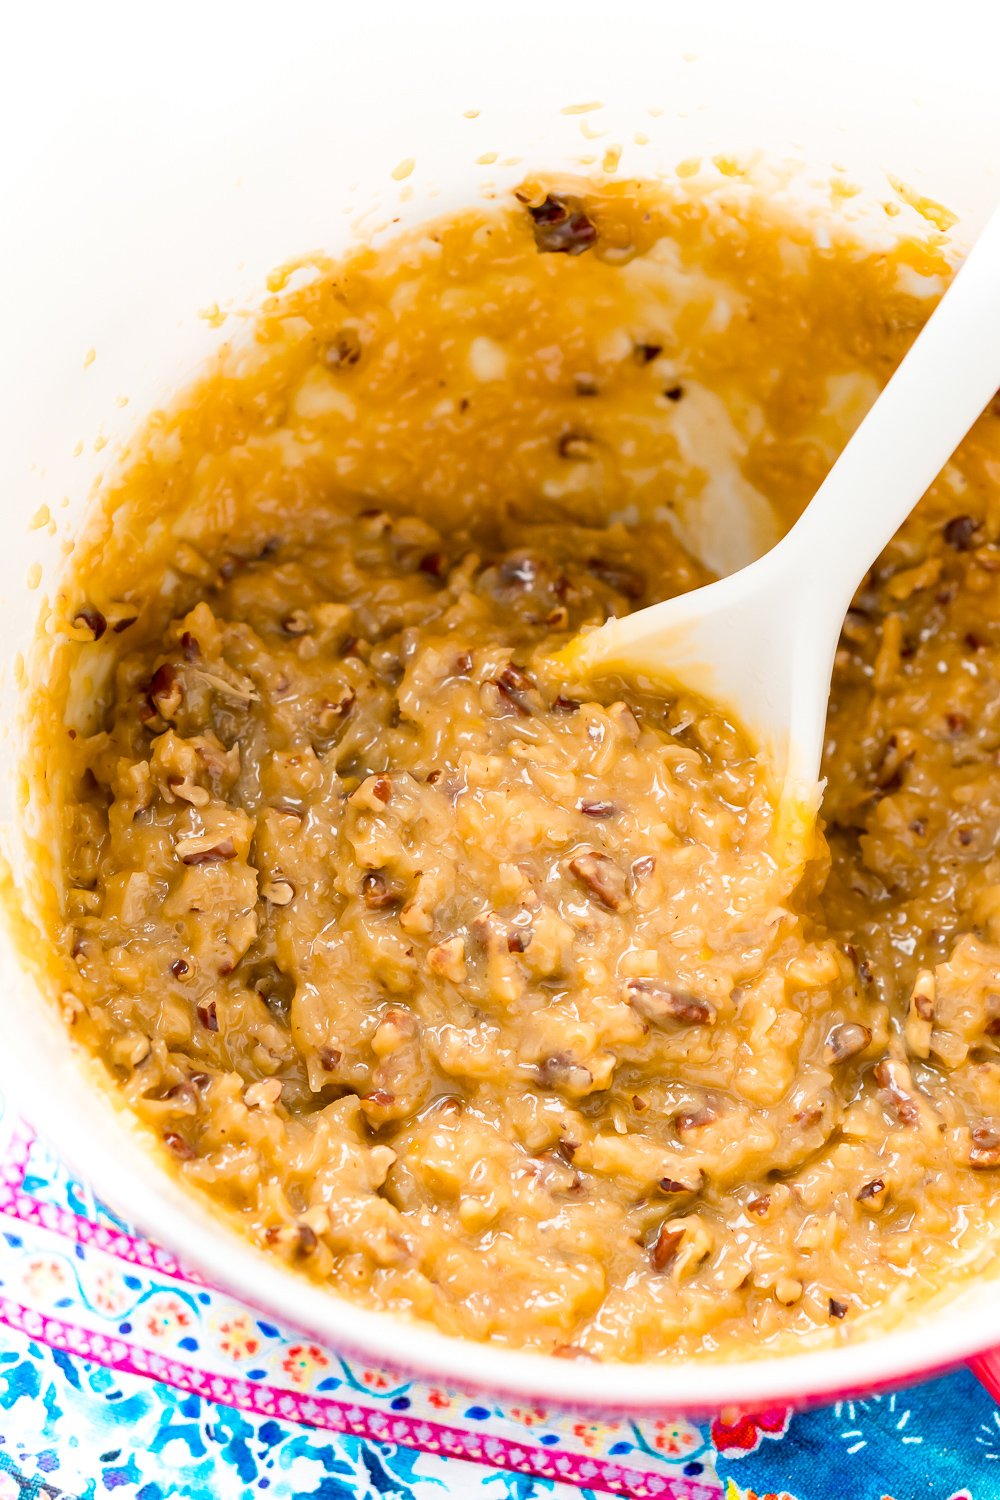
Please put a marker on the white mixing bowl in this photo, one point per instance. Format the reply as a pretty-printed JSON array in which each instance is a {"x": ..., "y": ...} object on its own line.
[{"x": 157, "y": 161}]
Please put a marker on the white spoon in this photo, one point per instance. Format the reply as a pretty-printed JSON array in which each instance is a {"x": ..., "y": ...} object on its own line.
[{"x": 760, "y": 644}]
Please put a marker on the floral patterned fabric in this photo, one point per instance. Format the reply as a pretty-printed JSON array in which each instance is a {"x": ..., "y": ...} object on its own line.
[{"x": 121, "y": 1371}]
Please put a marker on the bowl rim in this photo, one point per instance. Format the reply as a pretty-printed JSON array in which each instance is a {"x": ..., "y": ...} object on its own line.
[{"x": 99, "y": 1138}]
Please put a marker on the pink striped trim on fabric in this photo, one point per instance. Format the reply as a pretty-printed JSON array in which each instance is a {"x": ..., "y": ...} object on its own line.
[
  {"x": 15, "y": 1160},
  {"x": 18, "y": 1204},
  {"x": 116, "y": 1242},
  {"x": 346, "y": 1417}
]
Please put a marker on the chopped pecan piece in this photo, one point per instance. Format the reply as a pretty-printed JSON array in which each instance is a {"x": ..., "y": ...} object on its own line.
[
  {"x": 872, "y": 1195},
  {"x": 296, "y": 1239},
  {"x": 658, "y": 1002},
  {"x": 490, "y": 933},
  {"x": 560, "y": 1071},
  {"x": 844, "y": 1041},
  {"x": 297, "y": 623},
  {"x": 519, "y": 690},
  {"x": 809, "y": 1116},
  {"x": 448, "y": 959},
  {"x": 601, "y": 876},
  {"x": 595, "y": 808},
  {"x": 666, "y": 1246},
  {"x": 91, "y": 621},
  {"x": 434, "y": 564},
  {"x": 381, "y": 1105},
  {"x": 187, "y": 790},
  {"x": 179, "y": 1146},
  {"x": 992, "y": 1004},
  {"x": 183, "y": 1096},
  {"x": 164, "y": 692},
  {"x": 671, "y": 1187},
  {"x": 395, "y": 1029},
  {"x": 960, "y": 533},
  {"x": 861, "y": 964},
  {"x": 275, "y": 988},
  {"x": 278, "y": 892},
  {"x": 575, "y": 445},
  {"x": 195, "y": 850},
  {"x": 895, "y": 1083},
  {"x": 264, "y": 1094},
  {"x": 380, "y": 891},
  {"x": 331, "y": 714},
  {"x": 561, "y": 226},
  {"x": 681, "y": 1245},
  {"x": 305, "y": 1239},
  {"x": 343, "y": 349},
  {"x": 556, "y": 1175},
  {"x": 920, "y": 1015},
  {"x": 984, "y": 1150}
]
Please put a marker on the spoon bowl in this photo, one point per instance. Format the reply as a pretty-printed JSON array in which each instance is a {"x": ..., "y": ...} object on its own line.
[{"x": 760, "y": 644}]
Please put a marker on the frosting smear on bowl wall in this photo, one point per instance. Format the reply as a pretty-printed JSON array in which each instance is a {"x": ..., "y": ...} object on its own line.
[{"x": 474, "y": 991}]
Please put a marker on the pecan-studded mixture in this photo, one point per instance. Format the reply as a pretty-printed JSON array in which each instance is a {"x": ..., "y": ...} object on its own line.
[{"x": 474, "y": 991}]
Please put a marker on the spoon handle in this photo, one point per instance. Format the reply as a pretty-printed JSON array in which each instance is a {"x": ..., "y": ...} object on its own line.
[{"x": 952, "y": 370}]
